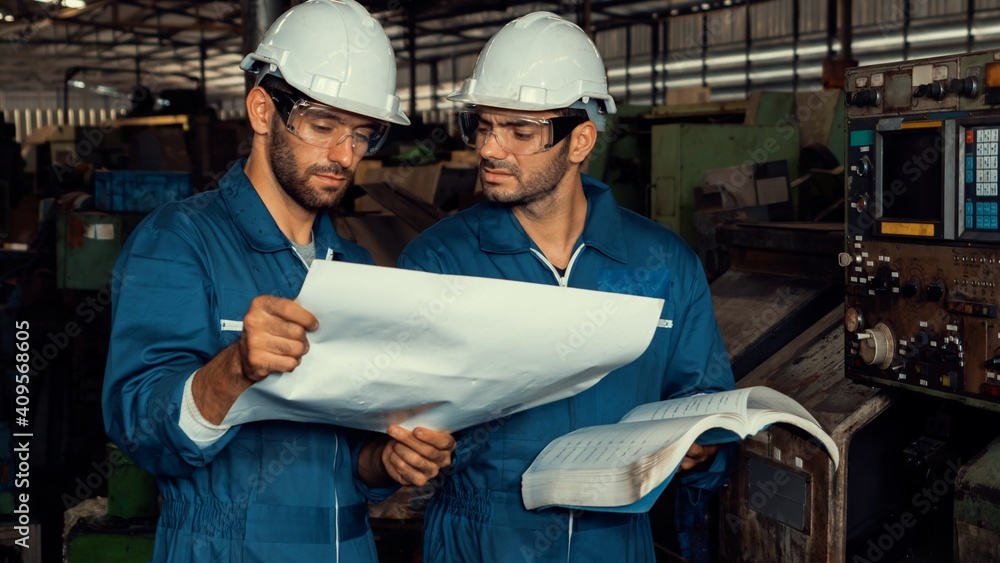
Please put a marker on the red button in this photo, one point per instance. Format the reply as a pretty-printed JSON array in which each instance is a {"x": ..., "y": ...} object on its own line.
[{"x": 970, "y": 136}]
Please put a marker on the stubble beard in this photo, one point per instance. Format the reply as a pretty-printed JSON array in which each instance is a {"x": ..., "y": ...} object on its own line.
[
  {"x": 285, "y": 167},
  {"x": 527, "y": 191}
]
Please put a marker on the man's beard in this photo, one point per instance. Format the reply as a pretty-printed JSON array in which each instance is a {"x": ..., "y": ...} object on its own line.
[
  {"x": 285, "y": 167},
  {"x": 535, "y": 188}
]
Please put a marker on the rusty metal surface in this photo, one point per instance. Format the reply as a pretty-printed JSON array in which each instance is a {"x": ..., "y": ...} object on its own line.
[
  {"x": 747, "y": 535},
  {"x": 977, "y": 507},
  {"x": 767, "y": 299},
  {"x": 809, "y": 369},
  {"x": 803, "y": 250},
  {"x": 760, "y": 313}
]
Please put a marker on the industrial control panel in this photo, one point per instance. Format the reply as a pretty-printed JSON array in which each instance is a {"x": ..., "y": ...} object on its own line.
[{"x": 922, "y": 255}]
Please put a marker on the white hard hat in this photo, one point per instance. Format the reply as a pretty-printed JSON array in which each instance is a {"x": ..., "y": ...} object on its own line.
[
  {"x": 539, "y": 62},
  {"x": 334, "y": 52}
]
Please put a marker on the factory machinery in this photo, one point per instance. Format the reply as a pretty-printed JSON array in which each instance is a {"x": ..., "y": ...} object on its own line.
[
  {"x": 917, "y": 337},
  {"x": 923, "y": 246},
  {"x": 923, "y": 239}
]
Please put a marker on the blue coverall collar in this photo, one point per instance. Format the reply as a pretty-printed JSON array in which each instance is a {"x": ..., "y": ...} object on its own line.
[
  {"x": 501, "y": 233},
  {"x": 258, "y": 226}
]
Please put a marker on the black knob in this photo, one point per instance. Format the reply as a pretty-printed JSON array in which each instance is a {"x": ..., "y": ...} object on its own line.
[
  {"x": 863, "y": 98},
  {"x": 909, "y": 289},
  {"x": 880, "y": 284},
  {"x": 935, "y": 291},
  {"x": 993, "y": 362},
  {"x": 968, "y": 86},
  {"x": 949, "y": 353},
  {"x": 934, "y": 91},
  {"x": 864, "y": 166}
]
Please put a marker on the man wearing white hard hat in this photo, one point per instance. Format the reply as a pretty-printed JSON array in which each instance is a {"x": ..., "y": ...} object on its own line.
[
  {"x": 202, "y": 310},
  {"x": 533, "y": 108}
]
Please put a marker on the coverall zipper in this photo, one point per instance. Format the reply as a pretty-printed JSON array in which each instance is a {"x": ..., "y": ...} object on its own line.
[
  {"x": 336, "y": 450},
  {"x": 563, "y": 281}
]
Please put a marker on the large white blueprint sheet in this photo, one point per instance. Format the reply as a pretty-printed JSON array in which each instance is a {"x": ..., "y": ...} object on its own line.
[{"x": 445, "y": 352}]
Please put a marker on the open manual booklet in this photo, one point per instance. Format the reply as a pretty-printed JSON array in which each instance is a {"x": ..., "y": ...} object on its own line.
[{"x": 624, "y": 467}]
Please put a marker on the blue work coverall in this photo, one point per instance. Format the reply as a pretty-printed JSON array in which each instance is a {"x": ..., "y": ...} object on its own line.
[
  {"x": 477, "y": 514},
  {"x": 266, "y": 491}
]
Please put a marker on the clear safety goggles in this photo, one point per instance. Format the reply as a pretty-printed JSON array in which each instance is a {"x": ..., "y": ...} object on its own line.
[
  {"x": 516, "y": 133},
  {"x": 325, "y": 127}
]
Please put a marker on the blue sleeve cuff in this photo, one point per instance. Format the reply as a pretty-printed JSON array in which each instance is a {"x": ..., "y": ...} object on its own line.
[{"x": 357, "y": 441}]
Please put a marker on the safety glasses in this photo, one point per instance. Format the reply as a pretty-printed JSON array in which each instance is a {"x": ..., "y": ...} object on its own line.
[
  {"x": 515, "y": 133},
  {"x": 325, "y": 127}
]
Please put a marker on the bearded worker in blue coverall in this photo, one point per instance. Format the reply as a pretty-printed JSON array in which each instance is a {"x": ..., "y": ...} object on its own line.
[
  {"x": 202, "y": 310},
  {"x": 532, "y": 109}
]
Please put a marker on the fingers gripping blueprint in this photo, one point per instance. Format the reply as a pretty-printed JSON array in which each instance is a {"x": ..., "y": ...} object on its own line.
[{"x": 445, "y": 352}]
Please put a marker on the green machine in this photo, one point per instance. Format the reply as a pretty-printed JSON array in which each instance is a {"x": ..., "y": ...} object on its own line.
[
  {"x": 87, "y": 246},
  {"x": 684, "y": 152},
  {"x": 655, "y": 158},
  {"x": 977, "y": 511},
  {"x": 126, "y": 533},
  {"x": 621, "y": 157}
]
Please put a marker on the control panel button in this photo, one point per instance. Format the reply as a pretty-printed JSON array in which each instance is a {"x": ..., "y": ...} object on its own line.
[
  {"x": 869, "y": 97},
  {"x": 967, "y": 87},
  {"x": 864, "y": 166},
  {"x": 853, "y": 320},
  {"x": 934, "y": 291},
  {"x": 877, "y": 346},
  {"x": 934, "y": 91}
]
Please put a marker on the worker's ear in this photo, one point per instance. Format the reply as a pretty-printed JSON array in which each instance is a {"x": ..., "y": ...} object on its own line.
[
  {"x": 260, "y": 110},
  {"x": 582, "y": 141}
]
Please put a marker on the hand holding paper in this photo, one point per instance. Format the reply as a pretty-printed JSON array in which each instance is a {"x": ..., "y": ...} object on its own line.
[
  {"x": 413, "y": 458},
  {"x": 273, "y": 340},
  {"x": 274, "y": 336}
]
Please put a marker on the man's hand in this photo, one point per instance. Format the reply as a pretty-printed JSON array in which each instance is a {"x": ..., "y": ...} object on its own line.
[
  {"x": 697, "y": 456},
  {"x": 274, "y": 337},
  {"x": 273, "y": 341},
  {"x": 409, "y": 458}
]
